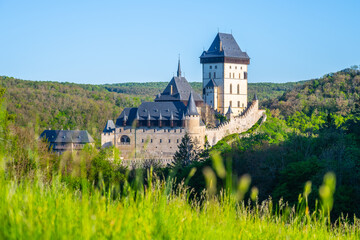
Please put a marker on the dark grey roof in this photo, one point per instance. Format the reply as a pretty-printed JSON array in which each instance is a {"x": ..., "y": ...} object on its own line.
[
  {"x": 151, "y": 111},
  {"x": 224, "y": 45},
  {"x": 255, "y": 97},
  {"x": 181, "y": 90},
  {"x": 67, "y": 136},
  {"x": 191, "y": 107},
  {"x": 211, "y": 84},
  {"x": 110, "y": 126}
]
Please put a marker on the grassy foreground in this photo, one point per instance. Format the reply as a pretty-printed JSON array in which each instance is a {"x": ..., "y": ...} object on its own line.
[{"x": 34, "y": 210}]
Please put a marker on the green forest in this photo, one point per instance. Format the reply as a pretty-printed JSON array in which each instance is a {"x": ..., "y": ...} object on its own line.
[{"x": 294, "y": 176}]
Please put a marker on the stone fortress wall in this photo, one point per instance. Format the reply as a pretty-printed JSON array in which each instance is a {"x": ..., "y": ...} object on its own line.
[{"x": 236, "y": 124}]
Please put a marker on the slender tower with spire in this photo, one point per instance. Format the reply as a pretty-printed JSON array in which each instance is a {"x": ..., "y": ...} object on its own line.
[{"x": 179, "y": 68}]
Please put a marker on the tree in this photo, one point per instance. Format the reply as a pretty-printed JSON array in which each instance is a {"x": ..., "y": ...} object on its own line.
[{"x": 186, "y": 153}]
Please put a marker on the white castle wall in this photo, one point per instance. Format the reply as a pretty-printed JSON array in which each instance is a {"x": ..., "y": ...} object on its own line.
[{"x": 237, "y": 124}]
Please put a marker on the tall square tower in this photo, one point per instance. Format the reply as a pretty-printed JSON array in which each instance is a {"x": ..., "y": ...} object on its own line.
[{"x": 225, "y": 75}]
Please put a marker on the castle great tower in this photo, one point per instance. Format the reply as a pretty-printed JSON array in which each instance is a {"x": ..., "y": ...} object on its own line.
[{"x": 225, "y": 75}]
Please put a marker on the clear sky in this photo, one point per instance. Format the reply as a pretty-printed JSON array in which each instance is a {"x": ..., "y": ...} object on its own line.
[{"x": 139, "y": 41}]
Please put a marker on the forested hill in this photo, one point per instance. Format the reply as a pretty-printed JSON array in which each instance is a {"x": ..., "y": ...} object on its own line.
[
  {"x": 335, "y": 93},
  {"x": 263, "y": 90},
  {"x": 83, "y": 106},
  {"x": 64, "y": 105}
]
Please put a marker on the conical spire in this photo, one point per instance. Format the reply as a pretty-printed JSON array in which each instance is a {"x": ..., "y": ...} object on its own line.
[
  {"x": 229, "y": 111},
  {"x": 179, "y": 69},
  {"x": 191, "y": 106},
  {"x": 255, "y": 97}
]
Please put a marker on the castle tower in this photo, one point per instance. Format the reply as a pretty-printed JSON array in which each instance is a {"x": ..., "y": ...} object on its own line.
[
  {"x": 192, "y": 122},
  {"x": 224, "y": 68},
  {"x": 230, "y": 114}
]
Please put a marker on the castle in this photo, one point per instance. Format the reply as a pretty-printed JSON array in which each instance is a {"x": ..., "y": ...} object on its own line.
[{"x": 154, "y": 129}]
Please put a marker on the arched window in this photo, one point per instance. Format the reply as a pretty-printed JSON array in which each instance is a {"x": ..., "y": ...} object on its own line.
[
  {"x": 210, "y": 67},
  {"x": 124, "y": 139},
  {"x": 229, "y": 75},
  {"x": 238, "y": 89},
  {"x": 209, "y": 75},
  {"x": 214, "y": 74},
  {"x": 245, "y": 75},
  {"x": 239, "y": 75},
  {"x": 233, "y": 75},
  {"x": 230, "y": 88}
]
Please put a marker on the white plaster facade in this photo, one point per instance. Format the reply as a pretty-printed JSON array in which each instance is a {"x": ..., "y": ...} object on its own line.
[{"x": 231, "y": 81}]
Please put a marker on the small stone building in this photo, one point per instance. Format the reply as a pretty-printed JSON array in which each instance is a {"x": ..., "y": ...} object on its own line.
[{"x": 61, "y": 141}]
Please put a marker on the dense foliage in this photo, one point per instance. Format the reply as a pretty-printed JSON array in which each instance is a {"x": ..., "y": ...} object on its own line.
[{"x": 301, "y": 140}]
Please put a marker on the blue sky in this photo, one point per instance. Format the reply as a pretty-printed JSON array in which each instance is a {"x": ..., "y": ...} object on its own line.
[{"x": 139, "y": 41}]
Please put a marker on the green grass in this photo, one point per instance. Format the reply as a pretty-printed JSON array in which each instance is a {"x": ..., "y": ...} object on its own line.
[{"x": 34, "y": 210}]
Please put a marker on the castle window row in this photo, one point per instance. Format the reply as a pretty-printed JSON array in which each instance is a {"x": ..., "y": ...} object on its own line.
[
  {"x": 238, "y": 89},
  {"x": 238, "y": 104},
  {"x": 235, "y": 67},
  {"x": 232, "y": 75},
  {"x": 213, "y": 74}
]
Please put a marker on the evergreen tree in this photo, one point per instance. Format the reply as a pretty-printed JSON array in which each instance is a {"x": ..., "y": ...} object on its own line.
[{"x": 186, "y": 153}]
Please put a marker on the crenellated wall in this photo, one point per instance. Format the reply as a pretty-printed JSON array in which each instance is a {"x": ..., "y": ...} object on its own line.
[{"x": 236, "y": 124}]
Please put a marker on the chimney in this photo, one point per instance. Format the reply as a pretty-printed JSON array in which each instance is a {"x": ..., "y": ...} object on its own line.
[
  {"x": 148, "y": 120},
  {"x": 160, "y": 120},
  {"x": 172, "y": 119}
]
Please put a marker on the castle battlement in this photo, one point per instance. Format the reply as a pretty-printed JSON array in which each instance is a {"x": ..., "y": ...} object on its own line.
[{"x": 236, "y": 124}]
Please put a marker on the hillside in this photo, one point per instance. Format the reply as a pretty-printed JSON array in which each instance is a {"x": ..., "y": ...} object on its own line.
[
  {"x": 83, "y": 106},
  {"x": 64, "y": 105},
  {"x": 310, "y": 130},
  {"x": 334, "y": 93}
]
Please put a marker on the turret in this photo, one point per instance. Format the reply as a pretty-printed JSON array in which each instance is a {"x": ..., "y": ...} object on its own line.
[
  {"x": 192, "y": 122},
  {"x": 256, "y": 101},
  {"x": 230, "y": 114},
  {"x": 192, "y": 117}
]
